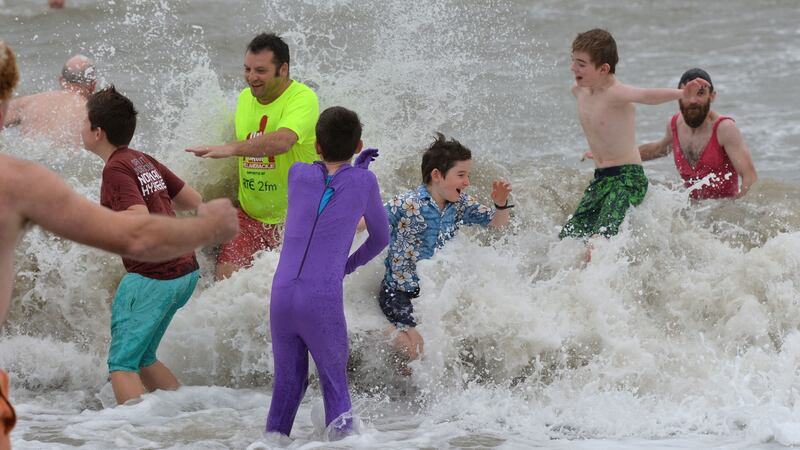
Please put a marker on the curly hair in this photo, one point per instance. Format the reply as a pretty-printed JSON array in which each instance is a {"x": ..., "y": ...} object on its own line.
[{"x": 9, "y": 75}]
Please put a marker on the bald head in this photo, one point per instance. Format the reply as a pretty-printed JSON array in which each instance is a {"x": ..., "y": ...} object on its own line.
[
  {"x": 9, "y": 75},
  {"x": 79, "y": 70}
]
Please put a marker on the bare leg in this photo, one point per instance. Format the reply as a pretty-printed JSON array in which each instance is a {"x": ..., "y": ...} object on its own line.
[
  {"x": 590, "y": 247},
  {"x": 225, "y": 270},
  {"x": 158, "y": 376},
  {"x": 126, "y": 385}
]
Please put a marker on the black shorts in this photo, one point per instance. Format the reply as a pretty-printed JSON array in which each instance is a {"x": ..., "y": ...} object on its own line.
[{"x": 396, "y": 306}]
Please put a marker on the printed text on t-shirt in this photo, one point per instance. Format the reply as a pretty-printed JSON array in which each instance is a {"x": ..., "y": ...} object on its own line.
[{"x": 150, "y": 179}]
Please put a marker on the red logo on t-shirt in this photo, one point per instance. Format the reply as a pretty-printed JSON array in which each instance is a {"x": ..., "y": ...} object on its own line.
[{"x": 258, "y": 163}]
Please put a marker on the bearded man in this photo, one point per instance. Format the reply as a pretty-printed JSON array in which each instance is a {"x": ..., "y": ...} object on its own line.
[{"x": 710, "y": 153}]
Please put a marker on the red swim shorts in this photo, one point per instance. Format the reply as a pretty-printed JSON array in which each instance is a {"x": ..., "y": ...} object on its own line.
[{"x": 253, "y": 236}]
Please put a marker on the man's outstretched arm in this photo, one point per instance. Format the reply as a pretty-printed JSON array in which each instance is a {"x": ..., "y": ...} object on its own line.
[
  {"x": 657, "y": 96},
  {"x": 48, "y": 201},
  {"x": 270, "y": 144}
]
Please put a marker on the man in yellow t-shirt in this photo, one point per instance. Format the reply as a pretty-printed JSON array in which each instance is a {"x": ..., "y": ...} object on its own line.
[{"x": 275, "y": 121}]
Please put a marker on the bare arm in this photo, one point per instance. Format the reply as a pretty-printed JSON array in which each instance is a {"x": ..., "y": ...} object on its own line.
[
  {"x": 657, "y": 96},
  {"x": 52, "y": 204},
  {"x": 187, "y": 199},
  {"x": 270, "y": 144},
  {"x": 657, "y": 149},
  {"x": 731, "y": 138}
]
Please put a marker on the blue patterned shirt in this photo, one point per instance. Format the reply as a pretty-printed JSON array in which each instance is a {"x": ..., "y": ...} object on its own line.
[{"x": 419, "y": 228}]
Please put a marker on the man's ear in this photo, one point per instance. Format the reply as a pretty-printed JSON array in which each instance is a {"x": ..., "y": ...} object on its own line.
[
  {"x": 360, "y": 146},
  {"x": 712, "y": 96},
  {"x": 605, "y": 68},
  {"x": 284, "y": 70}
]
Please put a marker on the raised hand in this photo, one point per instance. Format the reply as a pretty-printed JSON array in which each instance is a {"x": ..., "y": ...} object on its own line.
[
  {"x": 691, "y": 88},
  {"x": 500, "y": 192},
  {"x": 365, "y": 157}
]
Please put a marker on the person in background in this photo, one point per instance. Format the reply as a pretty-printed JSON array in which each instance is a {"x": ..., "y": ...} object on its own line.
[
  {"x": 708, "y": 148},
  {"x": 57, "y": 115}
]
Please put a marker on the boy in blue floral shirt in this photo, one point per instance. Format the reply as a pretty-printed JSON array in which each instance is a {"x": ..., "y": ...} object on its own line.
[{"x": 422, "y": 221}]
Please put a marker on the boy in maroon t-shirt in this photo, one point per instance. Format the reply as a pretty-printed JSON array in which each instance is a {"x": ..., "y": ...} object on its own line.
[{"x": 150, "y": 293}]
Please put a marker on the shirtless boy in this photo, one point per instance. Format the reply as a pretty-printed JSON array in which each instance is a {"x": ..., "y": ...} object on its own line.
[{"x": 606, "y": 112}]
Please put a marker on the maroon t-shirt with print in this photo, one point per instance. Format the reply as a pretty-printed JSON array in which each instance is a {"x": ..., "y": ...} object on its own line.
[{"x": 133, "y": 178}]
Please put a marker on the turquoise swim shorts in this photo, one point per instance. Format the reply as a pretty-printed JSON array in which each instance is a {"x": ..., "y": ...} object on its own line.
[{"x": 140, "y": 314}]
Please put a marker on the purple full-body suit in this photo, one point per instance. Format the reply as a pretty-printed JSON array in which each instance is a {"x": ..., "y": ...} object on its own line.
[{"x": 306, "y": 308}]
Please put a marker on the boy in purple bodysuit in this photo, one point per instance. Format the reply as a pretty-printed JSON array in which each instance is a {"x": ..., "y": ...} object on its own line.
[{"x": 326, "y": 201}]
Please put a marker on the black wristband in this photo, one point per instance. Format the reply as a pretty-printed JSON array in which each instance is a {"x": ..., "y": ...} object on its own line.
[{"x": 506, "y": 206}]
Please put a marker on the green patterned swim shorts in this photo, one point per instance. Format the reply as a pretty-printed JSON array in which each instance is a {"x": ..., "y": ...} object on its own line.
[{"x": 605, "y": 202}]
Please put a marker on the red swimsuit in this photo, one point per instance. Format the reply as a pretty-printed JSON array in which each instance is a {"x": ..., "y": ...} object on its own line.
[{"x": 713, "y": 160}]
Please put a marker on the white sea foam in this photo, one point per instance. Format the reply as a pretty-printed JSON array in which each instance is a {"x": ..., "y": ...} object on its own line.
[{"x": 681, "y": 333}]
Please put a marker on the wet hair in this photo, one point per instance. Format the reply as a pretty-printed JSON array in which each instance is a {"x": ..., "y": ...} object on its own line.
[
  {"x": 9, "y": 74},
  {"x": 695, "y": 73},
  {"x": 83, "y": 74},
  {"x": 114, "y": 114},
  {"x": 273, "y": 43},
  {"x": 442, "y": 154},
  {"x": 338, "y": 133},
  {"x": 600, "y": 45}
]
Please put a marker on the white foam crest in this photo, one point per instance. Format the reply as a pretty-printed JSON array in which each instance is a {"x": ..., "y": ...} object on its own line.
[
  {"x": 191, "y": 417},
  {"x": 427, "y": 63},
  {"x": 222, "y": 335},
  {"x": 37, "y": 364},
  {"x": 664, "y": 327},
  {"x": 191, "y": 110},
  {"x": 684, "y": 324},
  {"x": 51, "y": 295}
]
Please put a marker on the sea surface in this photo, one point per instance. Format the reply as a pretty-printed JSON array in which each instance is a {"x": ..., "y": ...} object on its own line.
[{"x": 682, "y": 332}]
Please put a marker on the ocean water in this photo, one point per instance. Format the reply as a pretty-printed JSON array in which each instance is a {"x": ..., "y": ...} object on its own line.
[{"x": 681, "y": 333}]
